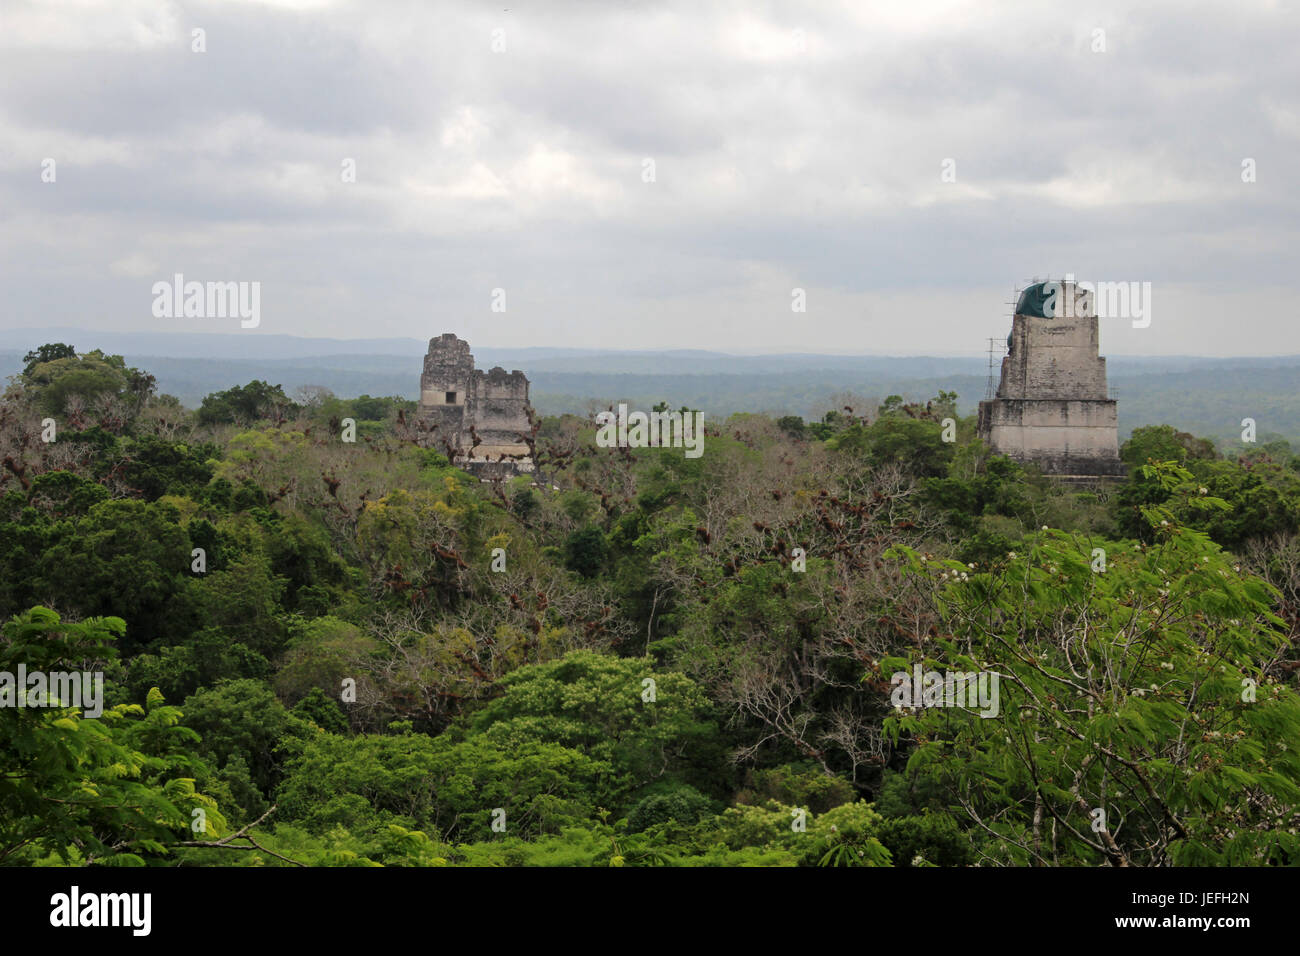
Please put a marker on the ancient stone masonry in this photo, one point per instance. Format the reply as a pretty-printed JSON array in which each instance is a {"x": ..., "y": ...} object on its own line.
[
  {"x": 480, "y": 419},
  {"x": 1052, "y": 407}
]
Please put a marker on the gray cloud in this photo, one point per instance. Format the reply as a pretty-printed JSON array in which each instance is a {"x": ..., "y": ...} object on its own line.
[{"x": 794, "y": 146}]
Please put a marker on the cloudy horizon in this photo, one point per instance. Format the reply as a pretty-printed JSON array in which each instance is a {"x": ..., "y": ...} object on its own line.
[{"x": 652, "y": 176}]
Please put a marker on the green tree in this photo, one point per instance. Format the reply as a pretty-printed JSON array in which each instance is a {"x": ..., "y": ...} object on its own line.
[
  {"x": 241, "y": 719},
  {"x": 597, "y": 704},
  {"x": 117, "y": 789},
  {"x": 155, "y": 466},
  {"x": 792, "y": 425},
  {"x": 47, "y": 353},
  {"x": 586, "y": 551},
  {"x": 244, "y": 404},
  {"x": 54, "y": 382},
  {"x": 1139, "y": 722},
  {"x": 124, "y": 558},
  {"x": 914, "y": 444},
  {"x": 1164, "y": 443},
  {"x": 369, "y": 782}
]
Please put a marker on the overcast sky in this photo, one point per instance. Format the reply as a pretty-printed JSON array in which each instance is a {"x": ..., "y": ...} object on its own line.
[{"x": 793, "y": 146}]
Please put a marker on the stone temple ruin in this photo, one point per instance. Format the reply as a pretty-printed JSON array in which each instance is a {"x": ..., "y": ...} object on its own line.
[
  {"x": 479, "y": 419},
  {"x": 1052, "y": 407}
]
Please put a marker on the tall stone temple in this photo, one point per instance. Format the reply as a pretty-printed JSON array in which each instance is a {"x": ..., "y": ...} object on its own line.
[
  {"x": 480, "y": 419},
  {"x": 1052, "y": 407}
]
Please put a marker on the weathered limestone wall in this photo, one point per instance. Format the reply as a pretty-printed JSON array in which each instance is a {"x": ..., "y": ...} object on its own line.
[
  {"x": 467, "y": 404},
  {"x": 500, "y": 411},
  {"x": 1052, "y": 407},
  {"x": 1053, "y": 358},
  {"x": 448, "y": 367},
  {"x": 1061, "y": 436}
]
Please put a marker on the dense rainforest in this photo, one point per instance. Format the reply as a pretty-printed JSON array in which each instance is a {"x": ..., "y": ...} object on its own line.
[{"x": 323, "y": 643}]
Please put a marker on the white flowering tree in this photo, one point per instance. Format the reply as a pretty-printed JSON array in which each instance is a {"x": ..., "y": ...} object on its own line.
[{"x": 1143, "y": 719}]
